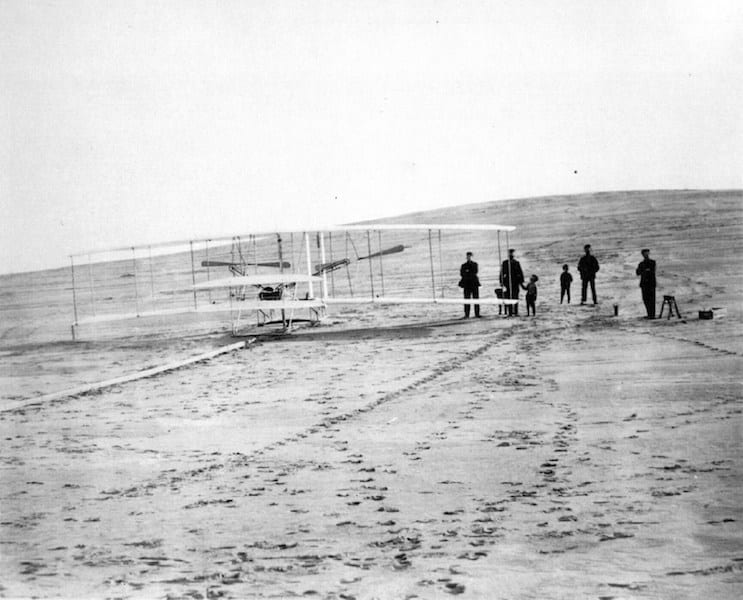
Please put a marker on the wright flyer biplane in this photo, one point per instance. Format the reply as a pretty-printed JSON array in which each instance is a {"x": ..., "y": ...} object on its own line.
[{"x": 283, "y": 278}]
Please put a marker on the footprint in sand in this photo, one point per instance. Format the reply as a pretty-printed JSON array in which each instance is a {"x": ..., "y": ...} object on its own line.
[
  {"x": 454, "y": 588},
  {"x": 401, "y": 561},
  {"x": 477, "y": 555}
]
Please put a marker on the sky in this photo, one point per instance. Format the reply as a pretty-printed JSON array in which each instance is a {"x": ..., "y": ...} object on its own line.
[{"x": 136, "y": 122}]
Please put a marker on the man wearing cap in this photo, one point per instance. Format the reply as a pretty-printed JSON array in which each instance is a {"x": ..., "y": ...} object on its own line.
[
  {"x": 470, "y": 282},
  {"x": 511, "y": 278},
  {"x": 588, "y": 266},
  {"x": 646, "y": 271}
]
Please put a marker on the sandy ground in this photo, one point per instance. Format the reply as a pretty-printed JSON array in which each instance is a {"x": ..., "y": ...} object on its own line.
[{"x": 395, "y": 455}]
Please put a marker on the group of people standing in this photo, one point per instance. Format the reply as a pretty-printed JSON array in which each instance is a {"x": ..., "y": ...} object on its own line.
[{"x": 512, "y": 281}]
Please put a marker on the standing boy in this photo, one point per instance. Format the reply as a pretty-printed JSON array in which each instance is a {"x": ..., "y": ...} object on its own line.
[
  {"x": 531, "y": 295},
  {"x": 565, "y": 280}
]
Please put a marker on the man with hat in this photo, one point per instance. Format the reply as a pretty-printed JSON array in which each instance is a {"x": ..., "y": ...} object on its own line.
[
  {"x": 470, "y": 282},
  {"x": 588, "y": 266},
  {"x": 511, "y": 278},
  {"x": 646, "y": 271}
]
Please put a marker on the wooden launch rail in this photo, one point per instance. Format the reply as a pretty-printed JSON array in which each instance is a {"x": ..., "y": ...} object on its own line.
[{"x": 95, "y": 387}]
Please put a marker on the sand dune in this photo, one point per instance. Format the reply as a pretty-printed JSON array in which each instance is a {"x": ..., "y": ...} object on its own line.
[{"x": 392, "y": 454}]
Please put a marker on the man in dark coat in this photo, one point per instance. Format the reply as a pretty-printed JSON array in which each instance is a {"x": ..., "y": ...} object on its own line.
[
  {"x": 588, "y": 266},
  {"x": 511, "y": 278},
  {"x": 646, "y": 271},
  {"x": 470, "y": 282}
]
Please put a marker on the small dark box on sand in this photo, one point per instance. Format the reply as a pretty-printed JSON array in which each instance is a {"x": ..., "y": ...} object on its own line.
[{"x": 713, "y": 312}]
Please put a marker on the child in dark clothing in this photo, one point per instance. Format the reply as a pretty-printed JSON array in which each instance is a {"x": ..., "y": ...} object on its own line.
[
  {"x": 565, "y": 281},
  {"x": 531, "y": 295}
]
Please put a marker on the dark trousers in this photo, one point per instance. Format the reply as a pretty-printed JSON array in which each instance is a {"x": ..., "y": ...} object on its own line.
[
  {"x": 648, "y": 298},
  {"x": 475, "y": 294},
  {"x": 531, "y": 302},
  {"x": 583, "y": 289},
  {"x": 513, "y": 294},
  {"x": 563, "y": 291}
]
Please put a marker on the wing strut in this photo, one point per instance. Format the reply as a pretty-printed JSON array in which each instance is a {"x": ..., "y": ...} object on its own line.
[
  {"x": 371, "y": 268},
  {"x": 309, "y": 264},
  {"x": 430, "y": 256},
  {"x": 281, "y": 270},
  {"x": 510, "y": 275},
  {"x": 330, "y": 249},
  {"x": 381, "y": 253},
  {"x": 348, "y": 271},
  {"x": 324, "y": 273},
  {"x": 208, "y": 275},
  {"x": 500, "y": 263},
  {"x": 74, "y": 295}
]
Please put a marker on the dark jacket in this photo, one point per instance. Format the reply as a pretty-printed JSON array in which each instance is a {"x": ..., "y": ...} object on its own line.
[
  {"x": 531, "y": 290},
  {"x": 468, "y": 274},
  {"x": 565, "y": 280},
  {"x": 514, "y": 271},
  {"x": 588, "y": 266},
  {"x": 646, "y": 271}
]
